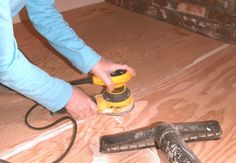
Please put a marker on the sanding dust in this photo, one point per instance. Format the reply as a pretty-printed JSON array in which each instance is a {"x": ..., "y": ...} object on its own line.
[
  {"x": 207, "y": 55},
  {"x": 100, "y": 159}
]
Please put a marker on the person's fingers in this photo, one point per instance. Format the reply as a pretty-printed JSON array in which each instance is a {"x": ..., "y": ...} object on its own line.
[
  {"x": 80, "y": 106},
  {"x": 87, "y": 108},
  {"x": 107, "y": 80}
]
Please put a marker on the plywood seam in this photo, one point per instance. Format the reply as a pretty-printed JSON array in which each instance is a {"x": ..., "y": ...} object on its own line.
[
  {"x": 35, "y": 141},
  {"x": 206, "y": 56}
]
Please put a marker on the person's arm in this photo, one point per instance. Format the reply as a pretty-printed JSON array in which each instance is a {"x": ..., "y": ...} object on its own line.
[
  {"x": 19, "y": 74},
  {"x": 50, "y": 23}
]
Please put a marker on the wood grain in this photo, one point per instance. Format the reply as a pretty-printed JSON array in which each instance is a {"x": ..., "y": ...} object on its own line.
[
  {"x": 86, "y": 148},
  {"x": 158, "y": 52},
  {"x": 204, "y": 92}
]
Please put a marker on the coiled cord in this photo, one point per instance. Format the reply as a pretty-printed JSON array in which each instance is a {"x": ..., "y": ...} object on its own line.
[
  {"x": 73, "y": 137},
  {"x": 73, "y": 121}
]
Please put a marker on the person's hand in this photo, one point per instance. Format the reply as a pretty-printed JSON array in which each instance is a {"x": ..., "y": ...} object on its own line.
[
  {"x": 104, "y": 68},
  {"x": 81, "y": 106}
]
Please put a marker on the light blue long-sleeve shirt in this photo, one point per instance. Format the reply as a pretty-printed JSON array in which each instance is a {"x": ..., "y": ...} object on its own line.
[{"x": 19, "y": 74}]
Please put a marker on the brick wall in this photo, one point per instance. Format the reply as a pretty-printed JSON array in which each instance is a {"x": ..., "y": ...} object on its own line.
[{"x": 212, "y": 18}]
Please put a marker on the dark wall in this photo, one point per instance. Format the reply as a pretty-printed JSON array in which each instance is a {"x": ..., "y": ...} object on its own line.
[{"x": 212, "y": 18}]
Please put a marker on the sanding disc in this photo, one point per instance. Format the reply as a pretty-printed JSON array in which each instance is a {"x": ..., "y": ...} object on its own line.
[{"x": 118, "y": 111}]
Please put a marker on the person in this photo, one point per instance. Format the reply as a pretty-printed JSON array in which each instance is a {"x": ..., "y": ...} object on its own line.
[{"x": 19, "y": 74}]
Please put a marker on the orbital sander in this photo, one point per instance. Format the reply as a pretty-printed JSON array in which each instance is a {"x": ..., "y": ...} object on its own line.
[{"x": 116, "y": 102}]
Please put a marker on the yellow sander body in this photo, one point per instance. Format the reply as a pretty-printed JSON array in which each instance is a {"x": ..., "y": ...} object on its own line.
[
  {"x": 116, "y": 102},
  {"x": 106, "y": 104}
]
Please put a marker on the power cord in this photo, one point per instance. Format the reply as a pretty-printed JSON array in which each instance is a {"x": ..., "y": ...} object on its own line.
[
  {"x": 74, "y": 132},
  {"x": 3, "y": 161},
  {"x": 73, "y": 137}
]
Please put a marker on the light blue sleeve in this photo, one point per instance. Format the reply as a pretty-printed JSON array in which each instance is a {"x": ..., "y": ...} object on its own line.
[
  {"x": 50, "y": 23},
  {"x": 19, "y": 74}
]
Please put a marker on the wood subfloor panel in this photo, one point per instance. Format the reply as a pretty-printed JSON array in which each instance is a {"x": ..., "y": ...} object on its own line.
[
  {"x": 206, "y": 91},
  {"x": 86, "y": 148},
  {"x": 155, "y": 49}
]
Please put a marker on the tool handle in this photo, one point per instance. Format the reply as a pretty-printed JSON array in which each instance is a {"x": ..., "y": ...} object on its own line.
[
  {"x": 88, "y": 80},
  {"x": 169, "y": 140},
  {"x": 118, "y": 77},
  {"x": 199, "y": 131}
]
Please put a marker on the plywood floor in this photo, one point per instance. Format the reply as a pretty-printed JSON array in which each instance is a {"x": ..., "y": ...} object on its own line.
[{"x": 181, "y": 76}]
